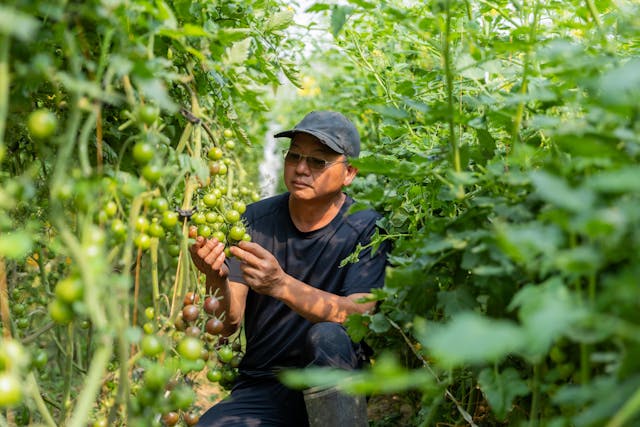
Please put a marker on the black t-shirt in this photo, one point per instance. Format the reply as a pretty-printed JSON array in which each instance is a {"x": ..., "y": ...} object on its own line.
[{"x": 275, "y": 334}]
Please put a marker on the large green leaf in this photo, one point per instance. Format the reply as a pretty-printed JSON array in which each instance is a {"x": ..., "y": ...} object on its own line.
[
  {"x": 501, "y": 388},
  {"x": 17, "y": 24},
  {"x": 547, "y": 311},
  {"x": 557, "y": 192},
  {"x": 471, "y": 338}
]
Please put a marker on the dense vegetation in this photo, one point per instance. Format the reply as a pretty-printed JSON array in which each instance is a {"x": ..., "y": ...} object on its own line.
[{"x": 501, "y": 144}]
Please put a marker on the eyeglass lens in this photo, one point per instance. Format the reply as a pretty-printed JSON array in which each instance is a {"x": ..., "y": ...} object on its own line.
[{"x": 312, "y": 162}]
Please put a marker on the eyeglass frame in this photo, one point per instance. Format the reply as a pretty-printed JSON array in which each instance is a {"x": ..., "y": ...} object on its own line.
[{"x": 300, "y": 157}]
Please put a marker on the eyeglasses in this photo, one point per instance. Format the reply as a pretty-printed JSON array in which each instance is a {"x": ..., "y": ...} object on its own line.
[{"x": 314, "y": 163}]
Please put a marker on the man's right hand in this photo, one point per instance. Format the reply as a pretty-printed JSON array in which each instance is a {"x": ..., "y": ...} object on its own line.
[{"x": 208, "y": 256}]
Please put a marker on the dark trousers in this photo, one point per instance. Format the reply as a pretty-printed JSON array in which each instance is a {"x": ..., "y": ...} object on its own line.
[{"x": 260, "y": 402}]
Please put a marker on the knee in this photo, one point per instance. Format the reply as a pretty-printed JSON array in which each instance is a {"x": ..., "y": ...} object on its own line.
[
  {"x": 325, "y": 334},
  {"x": 328, "y": 344}
]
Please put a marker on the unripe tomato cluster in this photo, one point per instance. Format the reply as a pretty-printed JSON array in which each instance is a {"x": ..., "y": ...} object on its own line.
[
  {"x": 14, "y": 361},
  {"x": 68, "y": 296}
]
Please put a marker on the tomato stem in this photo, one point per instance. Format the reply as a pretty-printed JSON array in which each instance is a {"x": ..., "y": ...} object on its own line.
[
  {"x": 34, "y": 392},
  {"x": 4, "y": 87},
  {"x": 4, "y": 301}
]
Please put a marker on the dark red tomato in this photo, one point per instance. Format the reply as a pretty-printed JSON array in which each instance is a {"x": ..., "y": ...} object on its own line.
[
  {"x": 211, "y": 304},
  {"x": 191, "y": 298},
  {"x": 170, "y": 418},
  {"x": 190, "y": 312},
  {"x": 214, "y": 326}
]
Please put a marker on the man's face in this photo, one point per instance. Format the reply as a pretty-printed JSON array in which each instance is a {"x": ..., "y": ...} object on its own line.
[{"x": 306, "y": 182}]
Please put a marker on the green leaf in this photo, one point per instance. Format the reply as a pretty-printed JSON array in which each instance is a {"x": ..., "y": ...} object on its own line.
[
  {"x": 228, "y": 35},
  {"x": 339, "y": 16},
  {"x": 17, "y": 24},
  {"x": 555, "y": 191},
  {"x": 621, "y": 86},
  {"x": 547, "y": 311},
  {"x": 472, "y": 338},
  {"x": 379, "y": 323},
  {"x": 356, "y": 327},
  {"x": 391, "y": 112},
  {"x": 455, "y": 301},
  {"x": 623, "y": 180},
  {"x": 279, "y": 21},
  {"x": 238, "y": 52},
  {"x": 501, "y": 388},
  {"x": 156, "y": 90},
  {"x": 363, "y": 4},
  {"x": 15, "y": 245},
  {"x": 525, "y": 242}
]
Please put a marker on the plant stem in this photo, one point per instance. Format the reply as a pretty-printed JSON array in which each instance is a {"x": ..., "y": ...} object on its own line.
[
  {"x": 92, "y": 383},
  {"x": 5, "y": 314},
  {"x": 154, "y": 274},
  {"x": 628, "y": 410},
  {"x": 83, "y": 142},
  {"x": 34, "y": 391},
  {"x": 4, "y": 88},
  {"x": 535, "y": 387},
  {"x": 446, "y": 55}
]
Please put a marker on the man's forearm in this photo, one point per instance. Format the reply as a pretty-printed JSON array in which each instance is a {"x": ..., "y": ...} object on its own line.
[{"x": 317, "y": 305}]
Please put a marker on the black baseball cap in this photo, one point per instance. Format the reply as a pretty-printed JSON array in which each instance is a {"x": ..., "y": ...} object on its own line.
[{"x": 332, "y": 129}]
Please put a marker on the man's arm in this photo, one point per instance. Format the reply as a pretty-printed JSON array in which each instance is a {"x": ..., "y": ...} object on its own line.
[
  {"x": 209, "y": 257},
  {"x": 263, "y": 274}
]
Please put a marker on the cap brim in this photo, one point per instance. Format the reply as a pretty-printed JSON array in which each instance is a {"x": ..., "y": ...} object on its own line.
[{"x": 322, "y": 137}]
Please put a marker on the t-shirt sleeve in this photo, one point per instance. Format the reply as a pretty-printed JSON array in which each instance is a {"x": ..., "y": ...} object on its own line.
[{"x": 369, "y": 271}]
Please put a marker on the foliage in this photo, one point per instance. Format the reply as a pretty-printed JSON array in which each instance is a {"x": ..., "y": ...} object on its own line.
[
  {"x": 501, "y": 145},
  {"x": 126, "y": 128}
]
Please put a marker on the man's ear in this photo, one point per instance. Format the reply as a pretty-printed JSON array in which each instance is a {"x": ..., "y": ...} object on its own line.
[{"x": 351, "y": 173}]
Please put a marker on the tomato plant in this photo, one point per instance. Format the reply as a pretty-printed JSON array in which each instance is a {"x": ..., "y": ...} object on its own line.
[{"x": 111, "y": 117}]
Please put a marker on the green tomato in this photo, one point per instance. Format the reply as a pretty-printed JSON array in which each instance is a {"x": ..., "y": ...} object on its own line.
[
  {"x": 60, "y": 312},
  {"x": 225, "y": 354},
  {"x": 236, "y": 232},
  {"x": 10, "y": 390},
  {"x": 149, "y": 313},
  {"x": 39, "y": 359},
  {"x": 152, "y": 172},
  {"x": 232, "y": 215},
  {"x": 204, "y": 230},
  {"x": 69, "y": 290},
  {"x": 156, "y": 377},
  {"x": 119, "y": 229},
  {"x": 190, "y": 348},
  {"x": 155, "y": 229},
  {"x": 199, "y": 218},
  {"x": 160, "y": 204},
  {"x": 240, "y": 206},
  {"x": 142, "y": 241},
  {"x": 111, "y": 208},
  {"x": 173, "y": 250},
  {"x": 143, "y": 152},
  {"x": 42, "y": 124},
  {"x": 142, "y": 224},
  {"x": 182, "y": 397},
  {"x": 148, "y": 114},
  {"x": 214, "y": 375},
  {"x": 228, "y": 133},
  {"x": 210, "y": 199},
  {"x": 169, "y": 218},
  {"x": 151, "y": 345},
  {"x": 215, "y": 153}
]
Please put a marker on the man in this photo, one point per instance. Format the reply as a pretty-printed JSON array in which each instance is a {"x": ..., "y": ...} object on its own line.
[{"x": 287, "y": 284}]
